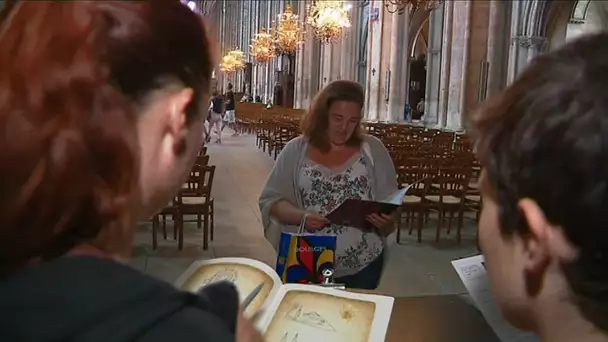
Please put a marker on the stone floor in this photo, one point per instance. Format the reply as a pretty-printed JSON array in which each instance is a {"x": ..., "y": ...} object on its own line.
[{"x": 414, "y": 269}]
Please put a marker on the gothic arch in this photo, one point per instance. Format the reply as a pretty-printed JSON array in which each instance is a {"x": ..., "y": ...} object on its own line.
[
  {"x": 536, "y": 14},
  {"x": 417, "y": 21},
  {"x": 418, "y": 37}
]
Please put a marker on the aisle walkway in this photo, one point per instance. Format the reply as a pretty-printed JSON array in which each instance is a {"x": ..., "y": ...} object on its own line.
[{"x": 414, "y": 269}]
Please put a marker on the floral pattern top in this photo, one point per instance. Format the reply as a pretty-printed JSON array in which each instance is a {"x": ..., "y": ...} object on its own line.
[{"x": 323, "y": 190}]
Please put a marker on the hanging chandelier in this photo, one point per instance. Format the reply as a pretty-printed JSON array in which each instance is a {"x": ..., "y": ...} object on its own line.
[
  {"x": 262, "y": 47},
  {"x": 400, "y": 6},
  {"x": 288, "y": 32},
  {"x": 329, "y": 19},
  {"x": 232, "y": 61}
]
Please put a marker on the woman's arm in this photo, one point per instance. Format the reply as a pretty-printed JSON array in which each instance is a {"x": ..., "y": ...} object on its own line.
[
  {"x": 385, "y": 175},
  {"x": 287, "y": 213},
  {"x": 279, "y": 186}
]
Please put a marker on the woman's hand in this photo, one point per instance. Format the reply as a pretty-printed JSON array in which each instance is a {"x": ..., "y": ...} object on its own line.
[
  {"x": 383, "y": 222},
  {"x": 245, "y": 331},
  {"x": 315, "y": 221}
]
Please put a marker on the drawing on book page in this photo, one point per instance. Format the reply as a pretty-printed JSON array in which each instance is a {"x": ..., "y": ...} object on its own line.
[
  {"x": 222, "y": 275},
  {"x": 286, "y": 338},
  {"x": 311, "y": 316},
  {"x": 246, "y": 278}
]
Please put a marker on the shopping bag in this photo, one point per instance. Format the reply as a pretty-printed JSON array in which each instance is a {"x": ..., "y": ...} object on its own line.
[{"x": 303, "y": 257}]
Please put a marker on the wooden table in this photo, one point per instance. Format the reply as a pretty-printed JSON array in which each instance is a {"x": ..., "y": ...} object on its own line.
[{"x": 437, "y": 319}]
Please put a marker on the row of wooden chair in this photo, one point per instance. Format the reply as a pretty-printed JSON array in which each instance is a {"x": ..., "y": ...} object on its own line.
[{"x": 193, "y": 199}]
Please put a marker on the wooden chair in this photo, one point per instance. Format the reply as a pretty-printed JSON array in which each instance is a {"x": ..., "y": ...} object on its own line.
[
  {"x": 170, "y": 210},
  {"x": 448, "y": 197},
  {"x": 198, "y": 202},
  {"x": 413, "y": 206}
]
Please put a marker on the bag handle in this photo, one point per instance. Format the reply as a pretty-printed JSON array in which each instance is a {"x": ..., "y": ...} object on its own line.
[{"x": 302, "y": 223}]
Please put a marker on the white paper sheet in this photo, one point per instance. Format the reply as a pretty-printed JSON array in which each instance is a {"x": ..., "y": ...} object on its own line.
[
  {"x": 396, "y": 197},
  {"x": 473, "y": 274}
]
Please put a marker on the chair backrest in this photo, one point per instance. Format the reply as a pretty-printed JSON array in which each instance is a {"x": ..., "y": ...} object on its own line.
[
  {"x": 205, "y": 178},
  {"x": 200, "y": 182},
  {"x": 454, "y": 181},
  {"x": 415, "y": 175},
  {"x": 202, "y": 160}
]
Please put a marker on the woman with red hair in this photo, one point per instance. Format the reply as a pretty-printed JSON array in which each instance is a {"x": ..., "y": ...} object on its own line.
[{"x": 102, "y": 105}]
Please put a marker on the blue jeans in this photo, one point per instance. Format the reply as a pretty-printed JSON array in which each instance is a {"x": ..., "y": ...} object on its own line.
[{"x": 366, "y": 279}]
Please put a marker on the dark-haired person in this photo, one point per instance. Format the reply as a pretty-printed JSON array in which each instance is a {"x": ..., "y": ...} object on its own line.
[
  {"x": 216, "y": 105},
  {"x": 333, "y": 161},
  {"x": 230, "y": 115},
  {"x": 98, "y": 134},
  {"x": 543, "y": 228}
]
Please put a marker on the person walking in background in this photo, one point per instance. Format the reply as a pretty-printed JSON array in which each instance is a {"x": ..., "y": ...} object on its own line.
[
  {"x": 230, "y": 116},
  {"x": 98, "y": 135},
  {"x": 216, "y": 103},
  {"x": 333, "y": 161}
]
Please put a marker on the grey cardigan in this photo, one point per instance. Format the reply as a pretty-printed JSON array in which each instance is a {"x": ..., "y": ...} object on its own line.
[{"x": 282, "y": 184}]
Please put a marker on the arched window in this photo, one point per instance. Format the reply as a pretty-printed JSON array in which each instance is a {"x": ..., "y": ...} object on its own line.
[{"x": 363, "y": 29}]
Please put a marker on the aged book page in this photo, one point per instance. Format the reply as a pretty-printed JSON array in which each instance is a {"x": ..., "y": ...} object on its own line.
[
  {"x": 310, "y": 316},
  {"x": 245, "y": 274}
]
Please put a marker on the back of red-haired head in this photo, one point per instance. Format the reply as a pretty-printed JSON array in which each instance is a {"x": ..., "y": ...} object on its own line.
[{"x": 74, "y": 75}]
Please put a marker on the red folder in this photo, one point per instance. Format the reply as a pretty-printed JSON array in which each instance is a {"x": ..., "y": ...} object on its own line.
[{"x": 354, "y": 212}]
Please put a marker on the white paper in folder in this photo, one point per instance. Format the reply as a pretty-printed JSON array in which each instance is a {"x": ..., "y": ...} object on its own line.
[{"x": 473, "y": 274}]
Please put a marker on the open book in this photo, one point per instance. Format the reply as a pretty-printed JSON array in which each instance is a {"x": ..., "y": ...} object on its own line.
[
  {"x": 472, "y": 272},
  {"x": 354, "y": 212},
  {"x": 292, "y": 312}
]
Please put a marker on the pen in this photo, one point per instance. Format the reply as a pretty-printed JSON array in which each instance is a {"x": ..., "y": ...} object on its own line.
[{"x": 251, "y": 296}]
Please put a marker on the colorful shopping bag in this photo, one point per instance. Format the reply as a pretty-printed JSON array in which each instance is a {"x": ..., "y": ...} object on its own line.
[{"x": 303, "y": 257}]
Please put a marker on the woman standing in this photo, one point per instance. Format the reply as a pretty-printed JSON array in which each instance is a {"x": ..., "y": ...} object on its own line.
[
  {"x": 333, "y": 161},
  {"x": 97, "y": 135}
]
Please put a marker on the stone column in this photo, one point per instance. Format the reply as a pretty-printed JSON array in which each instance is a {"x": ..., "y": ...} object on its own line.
[
  {"x": 446, "y": 56},
  {"x": 398, "y": 66},
  {"x": 268, "y": 66},
  {"x": 299, "y": 9},
  {"x": 222, "y": 41},
  {"x": 326, "y": 59},
  {"x": 315, "y": 70},
  {"x": 497, "y": 53},
  {"x": 348, "y": 52},
  {"x": 238, "y": 76},
  {"x": 517, "y": 54},
  {"x": 459, "y": 64},
  {"x": 336, "y": 57},
  {"x": 310, "y": 68},
  {"x": 433, "y": 67},
  {"x": 254, "y": 30},
  {"x": 374, "y": 86},
  {"x": 385, "y": 75},
  {"x": 475, "y": 85}
]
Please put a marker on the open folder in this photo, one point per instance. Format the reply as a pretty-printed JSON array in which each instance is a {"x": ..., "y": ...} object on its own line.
[{"x": 354, "y": 212}]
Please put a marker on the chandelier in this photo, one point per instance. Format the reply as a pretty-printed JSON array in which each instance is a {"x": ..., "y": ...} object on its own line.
[
  {"x": 262, "y": 47},
  {"x": 288, "y": 32},
  {"x": 232, "y": 61},
  {"x": 400, "y": 6},
  {"x": 328, "y": 19}
]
